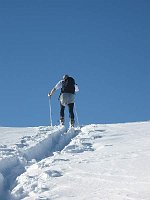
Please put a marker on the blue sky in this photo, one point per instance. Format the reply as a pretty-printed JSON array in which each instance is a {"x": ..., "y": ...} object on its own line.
[{"x": 103, "y": 44}]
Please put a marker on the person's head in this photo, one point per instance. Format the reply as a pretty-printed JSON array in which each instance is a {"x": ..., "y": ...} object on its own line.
[{"x": 65, "y": 76}]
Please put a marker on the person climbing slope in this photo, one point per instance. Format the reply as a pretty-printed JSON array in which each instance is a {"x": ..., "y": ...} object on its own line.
[{"x": 67, "y": 97}]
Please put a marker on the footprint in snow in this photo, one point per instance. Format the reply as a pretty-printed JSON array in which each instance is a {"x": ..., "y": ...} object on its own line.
[
  {"x": 74, "y": 149},
  {"x": 53, "y": 173},
  {"x": 97, "y": 136},
  {"x": 100, "y": 130},
  {"x": 108, "y": 145},
  {"x": 43, "y": 198},
  {"x": 87, "y": 147},
  {"x": 26, "y": 138},
  {"x": 60, "y": 160},
  {"x": 94, "y": 131},
  {"x": 79, "y": 149},
  {"x": 84, "y": 139},
  {"x": 21, "y": 145}
]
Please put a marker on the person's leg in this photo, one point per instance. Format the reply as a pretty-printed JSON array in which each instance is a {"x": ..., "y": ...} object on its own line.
[
  {"x": 62, "y": 108},
  {"x": 71, "y": 113}
]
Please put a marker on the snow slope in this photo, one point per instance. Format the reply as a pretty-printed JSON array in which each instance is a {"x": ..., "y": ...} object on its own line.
[
  {"x": 10, "y": 136},
  {"x": 100, "y": 162}
]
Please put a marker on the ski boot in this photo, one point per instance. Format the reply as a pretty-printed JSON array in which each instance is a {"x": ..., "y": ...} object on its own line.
[
  {"x": 71, "y": 123},
  {"x": 62, "y": 121}
]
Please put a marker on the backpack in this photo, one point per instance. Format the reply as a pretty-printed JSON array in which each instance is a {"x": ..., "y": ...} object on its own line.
[{"x": 68, "y": 86}]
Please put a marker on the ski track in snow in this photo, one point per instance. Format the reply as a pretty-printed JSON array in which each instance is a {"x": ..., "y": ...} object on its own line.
[
  {"x": 15, "y": 160},
  {"x": 98, "y": 162}
]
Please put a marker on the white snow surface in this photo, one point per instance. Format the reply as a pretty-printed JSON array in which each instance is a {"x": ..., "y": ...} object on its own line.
[{"x": 97, "y": 161}]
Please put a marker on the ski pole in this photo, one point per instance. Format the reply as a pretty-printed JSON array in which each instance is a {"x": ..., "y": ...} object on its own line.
[
  {"x": 76, "y": 114},
  {"x": 50, "y": 111}
]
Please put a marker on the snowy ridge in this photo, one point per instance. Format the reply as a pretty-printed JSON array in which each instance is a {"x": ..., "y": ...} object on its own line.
[
  {"x": 100, "y": 161},
  {"x": 15, "y": 159}
]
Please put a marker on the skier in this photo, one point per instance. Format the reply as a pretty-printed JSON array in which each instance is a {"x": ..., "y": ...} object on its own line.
[{"x": 67, "y": 97}]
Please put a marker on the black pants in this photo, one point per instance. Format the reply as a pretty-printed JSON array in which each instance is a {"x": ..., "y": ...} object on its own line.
[{"x": 70, "y": 107}]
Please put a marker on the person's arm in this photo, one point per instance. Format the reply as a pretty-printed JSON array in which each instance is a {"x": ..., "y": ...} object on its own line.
[
  {"x": 51, "y": 92},
  {"x": 57, "y": 86}
]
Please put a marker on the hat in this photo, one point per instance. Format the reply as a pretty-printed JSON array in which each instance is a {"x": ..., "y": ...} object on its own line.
[{"x": 65, "y": 76}]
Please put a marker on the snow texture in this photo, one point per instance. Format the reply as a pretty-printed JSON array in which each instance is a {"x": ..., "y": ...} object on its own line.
[{"x": 98, "y": 161}]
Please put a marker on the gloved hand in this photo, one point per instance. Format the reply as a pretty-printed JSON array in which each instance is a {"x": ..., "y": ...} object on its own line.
[{"x": 49, "y": 94}]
